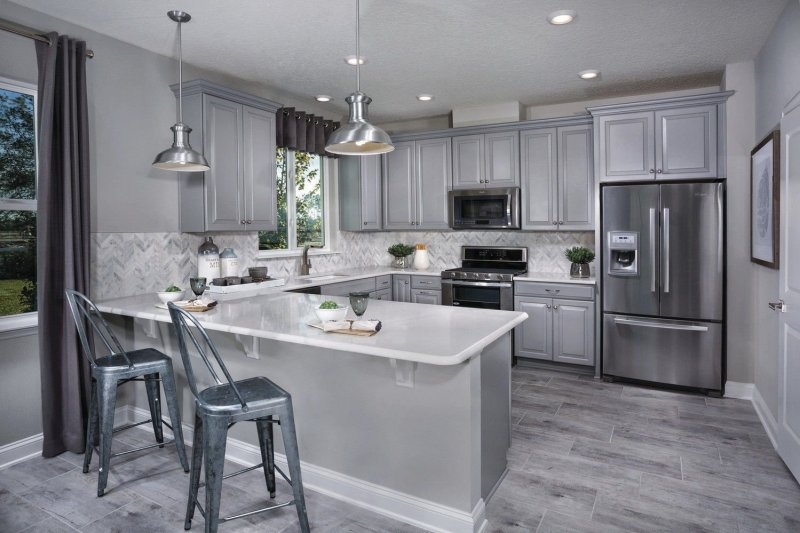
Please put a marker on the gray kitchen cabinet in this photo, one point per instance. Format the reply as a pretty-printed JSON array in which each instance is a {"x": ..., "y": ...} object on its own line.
[
  {"x": 534, "y": 337},
  {"x": 346, "y": 287},
  {"x": 401, "y": 287},
  {"x": 486, "y": 160},
  {"x": 360, "y": 197},
  {"x": 666, "y": 139},
  {"x": 237, "y": 134},
  {"x": 416, "y": 179},
  {"x": 573, "y": 331},
  {"x": 382, "y": 294},
  {"x": 557, "y": 178},
  {"x": 426, "y": 296}
]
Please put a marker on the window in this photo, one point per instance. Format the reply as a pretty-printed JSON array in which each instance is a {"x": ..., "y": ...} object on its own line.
[
  {"x": 17, "y": 199},
  {"x": 301, "y": 202}
]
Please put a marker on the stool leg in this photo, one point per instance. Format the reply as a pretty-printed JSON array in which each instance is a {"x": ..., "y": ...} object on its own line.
[
  {"x": 106, "y": 400},
  {"x": 171, "y": 395},
  {"x": 154, "y": 399},
  {"x": 197, "y": 464},
  {"x": 215, "y": 434},
  {"x": 293, "y": 458},
  {"x": 265, "y": 436},
  {"x": 91, "y": 428}
]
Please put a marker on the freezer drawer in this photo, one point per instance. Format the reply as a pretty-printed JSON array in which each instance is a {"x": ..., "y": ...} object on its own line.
[{"x": 675, "y": 352}]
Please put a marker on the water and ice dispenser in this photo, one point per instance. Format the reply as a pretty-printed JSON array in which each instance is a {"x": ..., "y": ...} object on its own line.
[{"x": 623, "y": 247}]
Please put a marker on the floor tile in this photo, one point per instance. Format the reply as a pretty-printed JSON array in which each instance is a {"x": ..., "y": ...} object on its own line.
[
  {"x": 555, "y": 522},
  {"x": 17, "y": 514},
  {"x": 629, "y": 456},
  {"x": 139, "y": 515},
  {"x": 21, "y": 477},
  {"x": 548, "y": 493},
  {"x": 506, "y": 515},
  {"x": 568, "y": 427}
]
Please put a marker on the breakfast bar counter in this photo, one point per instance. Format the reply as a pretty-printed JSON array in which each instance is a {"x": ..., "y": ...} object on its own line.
[{"x": 413, "y": 422}]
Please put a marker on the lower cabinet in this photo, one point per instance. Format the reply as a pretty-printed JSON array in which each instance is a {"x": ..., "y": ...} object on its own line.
[
  {"x": 401, "y": 287},
  {"x": 556, "y": 329},
  {"x": 346, "y": 287},
  {"x": 425, "y": 296},
  {"x": 383, "y": 294}
]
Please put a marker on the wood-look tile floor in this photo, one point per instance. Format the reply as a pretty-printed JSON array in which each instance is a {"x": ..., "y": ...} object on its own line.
[{"x": 585, "y": 456}]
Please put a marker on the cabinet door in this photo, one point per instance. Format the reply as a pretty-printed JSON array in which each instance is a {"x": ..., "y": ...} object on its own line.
[
  {"x": 575, "y": 178},
  {"x": 371, "y": 192},
  {"x": 424, "y": 296},
  {"x": 686, "y": 143},
  {"x": 398, "y": 187},
  {"x": 468, "y": 162},
  {"x": 434, "y": 175},
  {"x": 383, "y": 294},
  {"x": 627, "y": 147},
  {"x": 401, "y": 287},
  {"x": 573, "y": 329},
  {"x": 502, "y": 159},
  {"x": 539, "y": 174},
  {"x": 258, "y": 195},
  {"x": 534, "y": 337},
  {"x": 223, "y": 149}
]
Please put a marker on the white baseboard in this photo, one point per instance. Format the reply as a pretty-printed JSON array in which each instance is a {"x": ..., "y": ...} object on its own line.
[
  {"x": 767, "y": 420},
  {"x": 376, "y": 498},
  {"x": 18, "y": 451},
  {"x": 741, "y": 391}
]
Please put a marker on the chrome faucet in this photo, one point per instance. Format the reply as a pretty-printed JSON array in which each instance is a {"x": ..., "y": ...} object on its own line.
[{"x": 305, "y": 263}]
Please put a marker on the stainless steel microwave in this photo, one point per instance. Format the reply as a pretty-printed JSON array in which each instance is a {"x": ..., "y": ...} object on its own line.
[{"x": 484, "y": 208}]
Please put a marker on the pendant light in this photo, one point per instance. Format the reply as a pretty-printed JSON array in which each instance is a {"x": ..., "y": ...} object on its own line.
[
  {"x": 180, "y": 157},
  {"x": 358, "y": 137}
]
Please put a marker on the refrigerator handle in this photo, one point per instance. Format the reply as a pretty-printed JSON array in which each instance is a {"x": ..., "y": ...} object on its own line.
[
  {"x": 653, "y": 224},
  {"x": 666, "y": 250}
]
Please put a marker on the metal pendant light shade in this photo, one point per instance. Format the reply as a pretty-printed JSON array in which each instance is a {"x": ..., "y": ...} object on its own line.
[
  {"x": 358, "y": 136},
  {"x": 180, "y": 157}
]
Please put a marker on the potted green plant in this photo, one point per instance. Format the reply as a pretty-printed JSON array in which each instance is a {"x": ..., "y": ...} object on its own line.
[
  {"x": 580, "y": 256},
  {"x": 400, "y": 251}
]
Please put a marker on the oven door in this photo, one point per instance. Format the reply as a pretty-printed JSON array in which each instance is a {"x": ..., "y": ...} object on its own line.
[
  {"x": 479, "y": 294},
  {"x": 485, "y": 209}
]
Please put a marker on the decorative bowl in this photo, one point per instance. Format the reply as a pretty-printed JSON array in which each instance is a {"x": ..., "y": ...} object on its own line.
[
  {"x": 170, "y": 296},
  {"x": 331, "y": 314}
]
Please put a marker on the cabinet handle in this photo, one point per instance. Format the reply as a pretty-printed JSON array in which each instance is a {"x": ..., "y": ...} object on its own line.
[
  {"x": 652, "y": 171},
  {"x": 659, "y": 171},
  {"x": 553, "y": 291}
]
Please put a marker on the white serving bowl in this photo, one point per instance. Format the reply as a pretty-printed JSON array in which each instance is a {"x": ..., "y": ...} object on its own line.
[
  {"x": 170, "y": 296},
  {"x": 331, "y": 314}
]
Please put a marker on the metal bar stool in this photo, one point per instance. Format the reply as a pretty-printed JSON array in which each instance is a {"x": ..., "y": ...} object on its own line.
[
  {"x": 219, "y": 407},
  {"x": 109, "y": 372}
]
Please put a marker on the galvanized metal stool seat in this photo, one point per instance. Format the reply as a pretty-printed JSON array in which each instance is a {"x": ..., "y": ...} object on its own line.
[
  {"x": 108, "y": 373},
  {"x": 219, "y": 407}
]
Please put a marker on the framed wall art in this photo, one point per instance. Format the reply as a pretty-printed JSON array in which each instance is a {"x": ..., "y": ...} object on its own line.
[{"x": 765, "y": 201}]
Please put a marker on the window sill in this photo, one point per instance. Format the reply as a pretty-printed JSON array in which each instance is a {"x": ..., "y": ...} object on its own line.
[
  {"x": 278, "y": 254},
  {"x": 19, "y": 325}
]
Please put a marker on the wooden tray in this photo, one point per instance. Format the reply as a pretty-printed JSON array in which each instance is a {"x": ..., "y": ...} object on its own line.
[{"x": 356, "y": 332}]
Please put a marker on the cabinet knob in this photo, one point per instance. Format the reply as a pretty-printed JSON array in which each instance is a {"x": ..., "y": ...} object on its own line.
[
  {"x": 365, "y": 223},
  {"x": 405, "y": 282},
  {"x": 560, "y": 222},
  {"x": 555, "y": 307},
  {"x": 242, "y": 222},
  {"x": 652, "y": 171},
  {"x": 248, "y": 221},
  {"x": 659, "y": 171},
  {"x": 555, "y": 222},
  {"x": 547, "y": 306}
]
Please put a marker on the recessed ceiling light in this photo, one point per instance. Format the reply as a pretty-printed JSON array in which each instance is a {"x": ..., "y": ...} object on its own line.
[
  {"x": 353, "y": 60},
  {"x": 590, "y": 74},
  {"x": 561, "y": 17},
  {"x": 323, "y": 98},
  {"x": 424, "y": 97}
]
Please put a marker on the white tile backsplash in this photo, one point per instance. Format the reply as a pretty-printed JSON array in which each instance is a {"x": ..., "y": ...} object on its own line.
[{"x": 132, "y": 263}]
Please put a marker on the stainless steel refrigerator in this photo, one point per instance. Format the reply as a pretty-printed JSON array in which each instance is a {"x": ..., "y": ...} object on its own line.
[{"x": 663, "y": 283}]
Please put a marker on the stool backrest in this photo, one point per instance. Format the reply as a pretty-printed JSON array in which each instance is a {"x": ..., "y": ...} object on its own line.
[
  {"x": 201, "y": 344},
  {"x": 84, "y": 313}
]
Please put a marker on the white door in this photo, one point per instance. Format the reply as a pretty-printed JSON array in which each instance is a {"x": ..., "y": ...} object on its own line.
[{"x": 789, "y": 291}]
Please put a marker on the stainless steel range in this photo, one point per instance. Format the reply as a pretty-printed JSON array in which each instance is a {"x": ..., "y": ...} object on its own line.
[{"x": 486, "y": 277}]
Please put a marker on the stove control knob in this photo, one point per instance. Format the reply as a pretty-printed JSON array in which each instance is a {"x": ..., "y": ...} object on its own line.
[{"x": 475, "y": 275}]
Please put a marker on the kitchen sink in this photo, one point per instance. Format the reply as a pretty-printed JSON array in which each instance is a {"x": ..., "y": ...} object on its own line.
[{"x": 325, "y": 277}]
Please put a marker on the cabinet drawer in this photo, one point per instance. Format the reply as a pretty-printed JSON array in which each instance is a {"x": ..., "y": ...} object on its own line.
[
  {"x": 426, "y": 282},
  {"x": 383, "y": 282},
  {"x": 554, "y": 290},
  {"x": 383, "y": 294},
  {"x": 345, "y": 288}
]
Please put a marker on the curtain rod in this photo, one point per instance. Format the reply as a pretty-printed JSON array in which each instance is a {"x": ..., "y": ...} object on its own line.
[{"x": 30, "y": 33}]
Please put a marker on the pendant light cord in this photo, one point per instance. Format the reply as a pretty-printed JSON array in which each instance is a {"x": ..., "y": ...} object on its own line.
[
  {"x": 180, "y": 75},
  {"x": 358, "y": 48}
]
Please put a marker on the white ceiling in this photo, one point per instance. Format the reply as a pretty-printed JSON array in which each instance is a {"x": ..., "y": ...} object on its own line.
[{"x": 465, "y": 52}]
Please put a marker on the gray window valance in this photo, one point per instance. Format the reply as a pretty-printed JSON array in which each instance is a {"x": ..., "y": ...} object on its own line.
[{"x": 304, "y": 132}]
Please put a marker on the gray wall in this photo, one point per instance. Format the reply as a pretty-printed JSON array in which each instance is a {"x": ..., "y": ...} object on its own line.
[
  {"x": 777, "y": 80},
  {"x": 20, "y": 392}
]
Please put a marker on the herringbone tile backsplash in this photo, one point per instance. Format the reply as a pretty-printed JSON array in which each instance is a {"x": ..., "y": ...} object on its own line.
[{"x": 124, "y": 264}]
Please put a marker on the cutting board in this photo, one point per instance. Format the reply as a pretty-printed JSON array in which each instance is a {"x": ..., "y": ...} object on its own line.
[{"x": 356, "y": 332}]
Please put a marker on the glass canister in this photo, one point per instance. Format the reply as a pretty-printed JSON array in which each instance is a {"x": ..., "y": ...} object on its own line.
[
  {"x": 208, "y": 260},
  {"x": 421, "y": 259},
  {"x": 228, "y": 263}
]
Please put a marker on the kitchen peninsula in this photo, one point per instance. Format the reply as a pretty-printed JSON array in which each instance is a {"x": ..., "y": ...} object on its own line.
[{"x": 413, "y": 422}]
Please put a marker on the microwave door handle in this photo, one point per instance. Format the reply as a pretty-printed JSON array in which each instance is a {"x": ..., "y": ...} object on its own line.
[{"x": 653, "y": 224}]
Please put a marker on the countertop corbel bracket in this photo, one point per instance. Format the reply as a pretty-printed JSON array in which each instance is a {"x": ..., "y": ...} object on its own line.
[
  {"x": 404, "y": 372},
  {"x": 249, "y": 344},
  {"x": 149, "y": 327}
]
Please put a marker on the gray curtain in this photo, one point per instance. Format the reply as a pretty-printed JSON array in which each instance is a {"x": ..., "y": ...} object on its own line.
[
  {"x": 62, "y": 238},
  {"x": 304, "y": 132}
]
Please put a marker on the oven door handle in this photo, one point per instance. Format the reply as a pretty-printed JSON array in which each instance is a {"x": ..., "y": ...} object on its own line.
[{"x": 501, "y": 285}]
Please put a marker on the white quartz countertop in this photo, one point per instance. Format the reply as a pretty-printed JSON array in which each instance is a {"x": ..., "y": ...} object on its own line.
[
  {"x": 553, "y": 277},
  {"x": 350, "y": 274},
  {"x": 432, "y": 334}
]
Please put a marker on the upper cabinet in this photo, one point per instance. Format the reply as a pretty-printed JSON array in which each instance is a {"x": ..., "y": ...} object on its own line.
[
  {"x": 360, "y": 197},
  {"x": 557, "y": 178},
  {"x": 236, "y": 133},
  {"x": 676, "y": 138},
  {"x": 416, "y": 178},
  {"x": 486, "y": 160}
]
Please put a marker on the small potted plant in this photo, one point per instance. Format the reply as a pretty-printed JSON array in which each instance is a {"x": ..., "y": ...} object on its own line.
[
  {"x": 580, "y": 256},
  {"x": 400, "y": 252}
]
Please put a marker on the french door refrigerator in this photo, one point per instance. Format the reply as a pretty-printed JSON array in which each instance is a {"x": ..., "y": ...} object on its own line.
[{"x": 663, "y": 283}]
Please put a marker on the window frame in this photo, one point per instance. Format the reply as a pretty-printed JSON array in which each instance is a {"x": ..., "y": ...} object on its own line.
[
  {"x": 22, "y": 323},
  {"x": 326, "y": 167}
]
